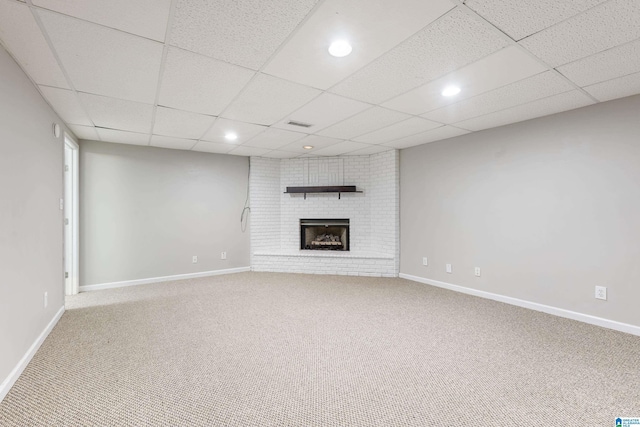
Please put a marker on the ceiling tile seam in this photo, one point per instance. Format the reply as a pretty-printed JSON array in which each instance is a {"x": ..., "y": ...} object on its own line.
[
  {"x": 610, "y": 80},
  {"x": 44, "y": 9},
  {"x": 564, "y": 20},
  {"x": 447, "y": 13},
  {"x": 165, "y": 51},
  {"x": 402, "y": 137},
  {"x": 471, "y": 13},
  {"x": 47, "y": 39},
  {"x": 259, "y": 70},
  {"x": 481, "y": 94},
  {"x": 455, "y": 124},
  {"x": 598, "y": 53}
]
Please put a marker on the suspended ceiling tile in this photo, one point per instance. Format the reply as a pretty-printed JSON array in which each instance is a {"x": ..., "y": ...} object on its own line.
[
  {"x": 443, "y": 132},
  {"x": 369, "y": 120},
  {"x": 371, "y": 149},
  {"x": 213, "y": 147},
  {"x": 268, "y": 99},
  {"x": 243, "y": 131},
  {"x": 117, "y": 113},
  {"x": 616, "y": 88},
  {"x": 315, "y": 141},
  {"x": 274, "y": 138},
  {"x": 194, "y": 82},
  {"x": 539, "y": 86},
  {"x": 323, "y": 111},
  {"x": 399, "y": 130},
  {"x": 451, "y": 42},
  {"x": 340, "y": 148},
  {"x": 248, "y": 151},
  {"x": 275, "y": 154},
  {"x": 171, "y": 142},
  {"x": 146, "y": 18},
  {"x": 244, "y": 32},
  {"x": 498, "y": 69},
  {"x": 123, "y": 137},
  {"x": 610, "y": 64},
  {"x": 20, "y": 33},
  {"x": 372, "y": 27},
  {"x": 181, "y": 124},
  {"x": 87, "y": 133},
  {"x": 66, "y": 104},
  {"x": 542, "y": 107},
  {"x": 519, "y": 19},
  {"x": 104, "y": 61},
  {"x": 600, "y": 28}
]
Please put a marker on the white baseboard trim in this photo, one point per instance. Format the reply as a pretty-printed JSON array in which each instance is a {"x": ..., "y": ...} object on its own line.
[
  {"x": 17, "y": 371},
  {"x": 162, "y": 279},
  {"x": 586, "y": 318}
]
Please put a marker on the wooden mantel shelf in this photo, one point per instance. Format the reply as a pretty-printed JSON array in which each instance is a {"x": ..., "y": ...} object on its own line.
[{"x": 323, "y": 189}]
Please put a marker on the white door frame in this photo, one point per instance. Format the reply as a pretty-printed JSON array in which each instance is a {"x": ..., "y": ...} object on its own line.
[{"x": 71, "y": 216}]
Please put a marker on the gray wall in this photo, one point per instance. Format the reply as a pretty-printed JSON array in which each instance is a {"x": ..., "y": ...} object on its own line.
[
  {"x": 548, "y": 208},
  {"x": 31, "y": 160},
  {"x": 145, "y": 211}
]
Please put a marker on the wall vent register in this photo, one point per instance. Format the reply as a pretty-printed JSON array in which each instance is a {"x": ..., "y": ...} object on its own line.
[{"x": 324, "y": 234}]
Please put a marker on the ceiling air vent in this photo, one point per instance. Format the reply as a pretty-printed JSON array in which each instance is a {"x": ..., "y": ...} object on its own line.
[{"x": 302, "y": 125}]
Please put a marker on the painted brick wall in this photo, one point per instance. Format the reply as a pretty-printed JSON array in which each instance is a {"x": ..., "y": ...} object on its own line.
[{"x": 373, "y": 214}]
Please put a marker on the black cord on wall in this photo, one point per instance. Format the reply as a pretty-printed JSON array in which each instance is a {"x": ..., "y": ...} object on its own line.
[{"x": 244, "y": 216}]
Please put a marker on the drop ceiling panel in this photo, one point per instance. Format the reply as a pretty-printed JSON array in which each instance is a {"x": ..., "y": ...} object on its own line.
[
  {"x": 213, "y": 147},
  {"x": 117, "y": 113},
  {"x": 443, "y": 132},
  {"x": 340, "y": 148},
  {"x": 275, "y": 154},
  {"x": 268, "y": 99},
  {"x": 610, "y": 64},
  {"x": 66, "y": 104},
  {"x": 600, "y": 28},
  {"x": 498, "y": 69},
  {"x": 84, "y": 132},
  {"x": 103, "y": 61},
  {"x": 122, "y": 137},
  {"x": 274, "y": 138},
  {"x": 183, "y": 124},
  {"x": 323, "y": 111},
  {"x": 542, "y": 107},
  {"x": 371, "y": 149},
  {"x": 317, "y": 142},
  {"x": 171, "y": 142},
  {"x": 536, "y": 87},
  {"x": 399, "y": 130},
  {"x": 616, "y": 88},
  {"x": 365, "y": 122},
  {"x": 451, "y": 42},
  {"x": 248, "y": 151},
  {"x": 372, "y": 27},
  {"x": 244, "y": 32},
  {"x": 146, "y": 18},
  {"x": 221, "y": 127},
  {"x": 20, "y": 33},
  {"x": 196, "y": 83},
  {"x": 521, "y": 18}
]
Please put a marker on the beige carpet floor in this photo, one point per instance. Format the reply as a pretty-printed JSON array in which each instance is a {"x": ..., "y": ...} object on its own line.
[{"x": 267, "y": 349}]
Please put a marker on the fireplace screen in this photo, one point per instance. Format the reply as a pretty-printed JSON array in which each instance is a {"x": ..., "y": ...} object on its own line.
[{"x": 324, "y": 234}]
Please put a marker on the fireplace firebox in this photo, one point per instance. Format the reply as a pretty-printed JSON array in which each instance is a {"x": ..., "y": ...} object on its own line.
[{"x": 324, "y": 234}]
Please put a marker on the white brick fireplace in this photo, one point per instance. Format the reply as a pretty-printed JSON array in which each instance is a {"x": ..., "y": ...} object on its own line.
[{"x": 373, "y": 214}]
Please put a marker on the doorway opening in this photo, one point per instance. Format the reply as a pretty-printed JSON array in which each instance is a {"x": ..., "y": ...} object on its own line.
[{"x": 71, "y": 215}]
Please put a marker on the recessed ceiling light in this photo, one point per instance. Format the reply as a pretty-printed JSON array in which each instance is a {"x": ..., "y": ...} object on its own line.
[
  {"x": 340, "y": 48},
  {"x": 450, "y": 91},
  {"x": 230, "y": 136},
  {"x": 308, "y": 147}
]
